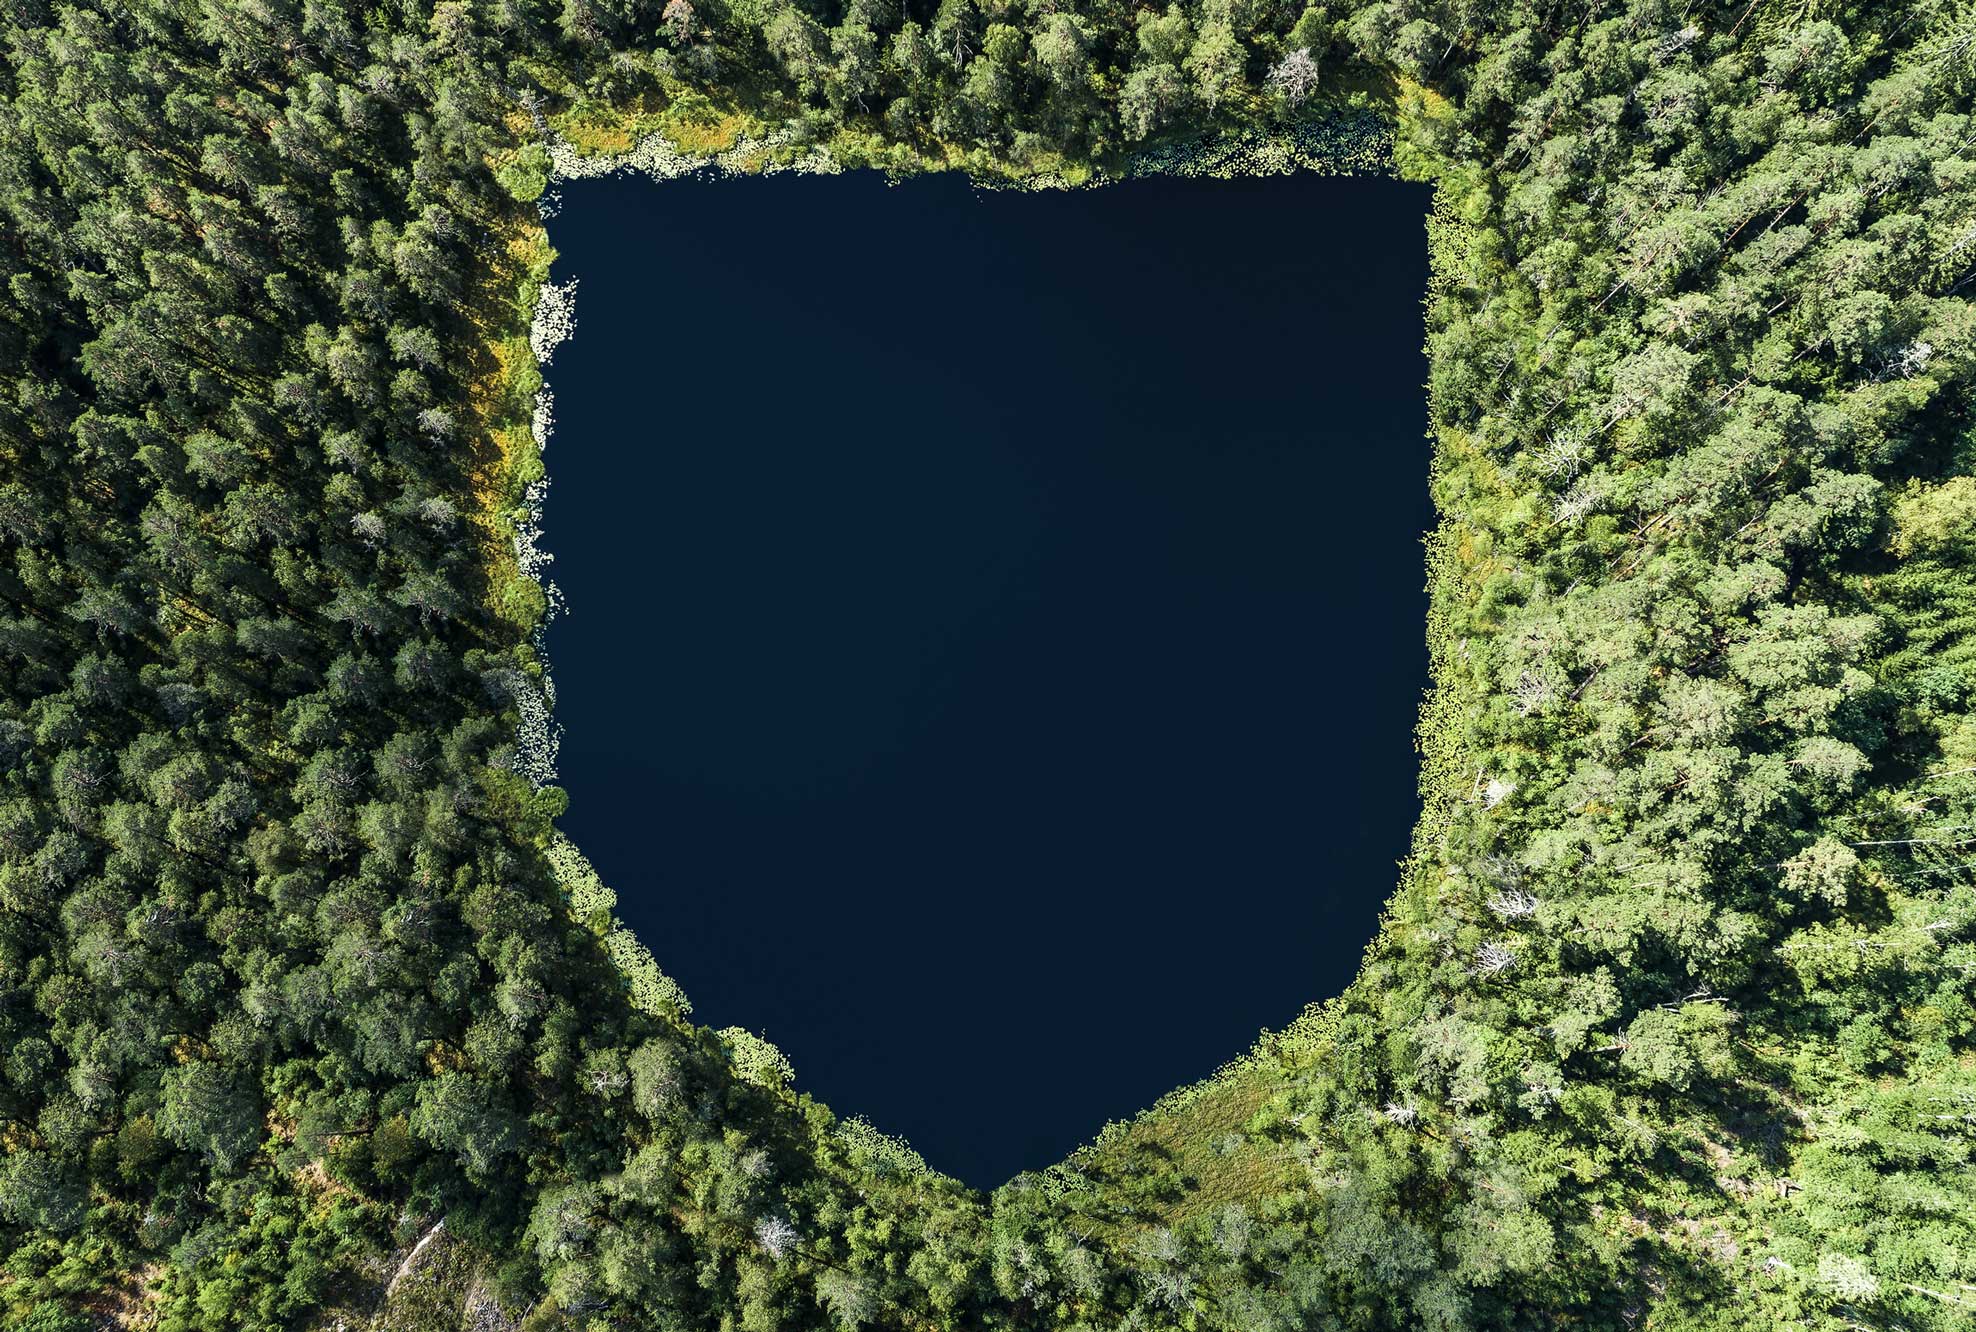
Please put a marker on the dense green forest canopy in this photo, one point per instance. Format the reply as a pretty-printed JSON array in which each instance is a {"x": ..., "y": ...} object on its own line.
[{"x": 1670, "y": 1022}]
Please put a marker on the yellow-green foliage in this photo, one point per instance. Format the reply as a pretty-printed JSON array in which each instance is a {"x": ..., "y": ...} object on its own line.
[{"x": 594, "y": 905}]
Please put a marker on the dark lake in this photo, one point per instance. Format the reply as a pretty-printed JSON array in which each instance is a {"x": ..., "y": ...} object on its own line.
[{"x": 996, "y": 620}]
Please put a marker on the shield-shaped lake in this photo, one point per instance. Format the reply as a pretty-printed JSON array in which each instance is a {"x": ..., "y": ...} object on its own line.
[{"x": 995, "y": 626}]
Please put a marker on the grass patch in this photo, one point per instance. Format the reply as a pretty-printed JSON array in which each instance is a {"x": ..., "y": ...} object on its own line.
[{"x": 1203, "y": 1141}]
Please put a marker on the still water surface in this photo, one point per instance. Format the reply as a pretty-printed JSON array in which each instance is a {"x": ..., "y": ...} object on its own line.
[{"x": 995, "y": 620}]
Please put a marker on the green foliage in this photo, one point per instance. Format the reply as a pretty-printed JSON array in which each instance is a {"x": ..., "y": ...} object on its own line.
[{"x": 1669, "y": 1023}]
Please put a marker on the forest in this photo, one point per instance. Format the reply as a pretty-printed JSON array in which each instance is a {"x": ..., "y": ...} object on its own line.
[{"x": 309, "y": 1020}]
